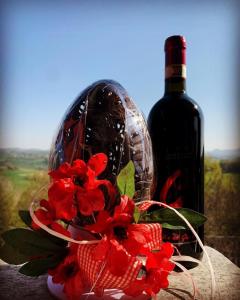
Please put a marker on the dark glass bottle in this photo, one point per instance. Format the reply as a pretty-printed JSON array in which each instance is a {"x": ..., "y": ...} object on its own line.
[{"x": 176, "y": 129}]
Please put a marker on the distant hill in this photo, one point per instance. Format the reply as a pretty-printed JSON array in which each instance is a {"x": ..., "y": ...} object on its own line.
[
  {"x": 22, "y": 152},
  {"x": 226, "y": 154},
  {"x": 14, "y": 158},
  {"x": 9, "y": 153}
]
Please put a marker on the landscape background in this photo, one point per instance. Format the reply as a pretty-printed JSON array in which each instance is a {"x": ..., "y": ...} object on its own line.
[{"x": 24, "y": 172}]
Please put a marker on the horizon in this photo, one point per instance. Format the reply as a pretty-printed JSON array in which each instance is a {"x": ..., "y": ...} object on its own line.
[
  {"x": 48, "y": 149},
  {"x": 47, "y": 64}
]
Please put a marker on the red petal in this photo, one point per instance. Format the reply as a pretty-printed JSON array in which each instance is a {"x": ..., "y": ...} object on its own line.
[
  {"x": 167, "y": 265},
  {"x": 61, "y": 199},
  {"x": 44, "y": 203},
  {"x": 74, "y": 287},
  {"x": 111, "y": 191},
  {"x": 152, "y": 261},
  {"x": 61, "y": 172},
  {"x": 160, "y": 259},
  {"x": 122, "y": 219},
  {"x": 142, "y": 228},
  {"x": 110, "y": 188},
  {"x": 136, "y": 288},
  {"x": 97, "y": 199},
  {"x": 56, "y": 273},
  {"x": 168, "y": 249},
  {"x": 126, "y": 206},
  {"x": 156, "y": 279},
  {"x": 65, "y": 209},
  {"x": 43, "y": 216},
  {"x": 59, "y": 228},
  {"x": 59, "y": 273},
  {"x": 117, "y": 260},
  {"x": 100, "y": 252},
  {"x": 85, "y": 207},
  {"x": 103, "y": 222},
  {"x": 135, "y": 241},
  {"x": 164, "y": 279},
  {"x": 90, "y": 201},
  {"x": 79, "y": 168},
  {"x": 60, "y": 188},
  {"x": 98, "y": 163},
  {"x": 90, "y": 182}
]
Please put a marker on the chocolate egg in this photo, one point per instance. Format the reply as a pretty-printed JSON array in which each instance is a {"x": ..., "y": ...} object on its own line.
[{"x": 105, "y": 119}]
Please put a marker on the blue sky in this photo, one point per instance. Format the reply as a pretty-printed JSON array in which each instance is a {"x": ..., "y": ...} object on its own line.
[{"x": 54, "y": 49}]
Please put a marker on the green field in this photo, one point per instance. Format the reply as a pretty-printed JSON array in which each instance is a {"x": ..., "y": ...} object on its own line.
[
  {"x": 222, "y": 206},
  {"x": 23, "y": 174}
]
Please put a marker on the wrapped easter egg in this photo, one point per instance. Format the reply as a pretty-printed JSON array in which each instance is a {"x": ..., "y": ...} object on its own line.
[{"x": 105, "y": 119}]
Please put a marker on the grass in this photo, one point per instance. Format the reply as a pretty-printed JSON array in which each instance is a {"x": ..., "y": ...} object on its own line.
[
  {"x": 19, "y": 177},
  {"x": 222, "y": 207},
  {"x": 231, "y": 182},
  {"x": 19, "y": 196}
]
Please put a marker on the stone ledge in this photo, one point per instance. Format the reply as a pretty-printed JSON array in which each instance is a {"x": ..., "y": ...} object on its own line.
[{"x": 14, "y": 285}]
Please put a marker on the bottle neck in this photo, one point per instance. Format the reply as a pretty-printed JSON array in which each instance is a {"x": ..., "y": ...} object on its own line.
[
  {"x": 175, "y": 85},
  {"x": 175, "y": 70}
]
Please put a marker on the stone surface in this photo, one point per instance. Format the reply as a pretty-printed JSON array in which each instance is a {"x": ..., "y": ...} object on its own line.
[
  {"x": 227, "y": 280},
  {"x": 15, "y": 286},
  {"x": 227, "y": 245}
]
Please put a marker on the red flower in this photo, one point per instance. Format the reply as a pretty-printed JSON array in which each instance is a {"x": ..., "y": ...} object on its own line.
[
  {"x": 78, "y": 170},
  {"x": 61, "y": 172},
  {"x": 137, "y": 238},
  {"x": 61, "y": 199},
  {"x": 74, "y": 186},
  {"x": 158, "y": 268},
  {"x": 114, "y": 254},
  {"x": 98, "y": 163},
  {"x": 119, "y": 227},
  {"x": 90, "y": 201},
  {"x": 90, "y": 197},
  {"x": 60, "y": 206},
  {"x": 47, "y": 216},
  {"x": 122, "y": 239},
  {"x": 69, "y": 274},
  {"x": 86, "y": 188},
  {"x": 124, "y": 211},
  {"x": 123, "y": 215}
]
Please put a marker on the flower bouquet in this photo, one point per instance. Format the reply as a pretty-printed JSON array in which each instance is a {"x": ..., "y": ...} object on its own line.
[
  {"x": 123, "y": 250},
  {"x": 95, "y": 231}
]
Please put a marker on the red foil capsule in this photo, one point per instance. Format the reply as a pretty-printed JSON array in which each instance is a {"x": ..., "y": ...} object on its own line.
[{"x": 175, "y": 50}]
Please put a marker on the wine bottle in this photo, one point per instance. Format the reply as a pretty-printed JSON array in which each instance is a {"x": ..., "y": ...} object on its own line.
[{"x": 176, "y": 129}]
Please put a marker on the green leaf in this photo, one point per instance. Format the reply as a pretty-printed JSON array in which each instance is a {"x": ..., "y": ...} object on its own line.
[
  {"x": 60, "y": 242},
  {"x": 125, "y": 180},
  {"x": 136, "y": 214},
  {"x": 12, "y": 255},
  {"x": 30, "y": 243},
  {"x": 38, "y": 267},
  {"x": 25, "y": 217},
  {"x": 169, "y": 218},
  {"x": 173, "y": 227}
]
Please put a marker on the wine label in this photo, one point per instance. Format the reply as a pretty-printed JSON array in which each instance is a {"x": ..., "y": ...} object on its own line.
[{"x": 176, "y": 70}]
